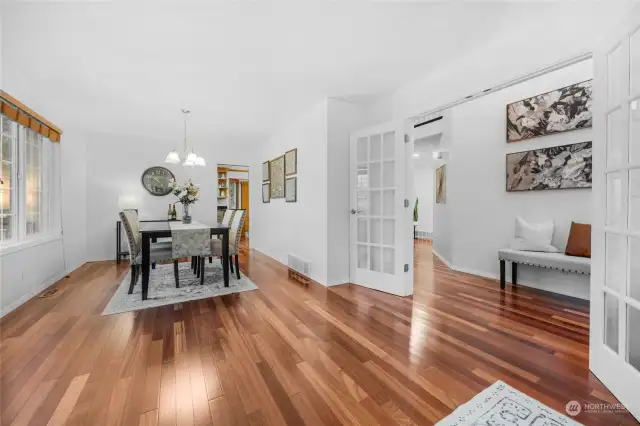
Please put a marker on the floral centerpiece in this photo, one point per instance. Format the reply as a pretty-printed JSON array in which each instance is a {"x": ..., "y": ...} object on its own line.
[{"x": 187, "y": 194}]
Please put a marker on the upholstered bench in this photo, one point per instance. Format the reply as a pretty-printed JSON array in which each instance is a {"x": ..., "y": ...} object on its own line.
[{"x": 558, "y": 261}]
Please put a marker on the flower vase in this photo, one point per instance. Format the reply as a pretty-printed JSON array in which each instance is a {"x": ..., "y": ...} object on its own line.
[{"x": 186, "y": 218}]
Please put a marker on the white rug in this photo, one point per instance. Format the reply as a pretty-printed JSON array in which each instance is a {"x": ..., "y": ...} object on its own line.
[
  {"x": 163, "y": 291},
  {"x": 502, "y": 405}
]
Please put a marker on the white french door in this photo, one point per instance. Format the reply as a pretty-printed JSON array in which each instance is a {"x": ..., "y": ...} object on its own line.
[
  {"x": 381, "y": 240},
  {"x": 615, "y": 279}
]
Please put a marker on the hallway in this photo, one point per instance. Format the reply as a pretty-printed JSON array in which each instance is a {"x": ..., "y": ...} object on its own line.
[{"x": 290, "y": 354}]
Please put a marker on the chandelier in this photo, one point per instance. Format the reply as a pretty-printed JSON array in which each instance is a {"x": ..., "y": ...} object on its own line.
[{"x": 190, "y": 158}]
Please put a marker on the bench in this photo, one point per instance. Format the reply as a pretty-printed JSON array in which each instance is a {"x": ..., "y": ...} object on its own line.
[{"x": 557, "y": 261}]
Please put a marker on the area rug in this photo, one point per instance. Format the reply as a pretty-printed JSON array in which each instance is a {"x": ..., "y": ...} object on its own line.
[
  {"x": 500, "y": 404},
  {"x": 163, "y": 291}
]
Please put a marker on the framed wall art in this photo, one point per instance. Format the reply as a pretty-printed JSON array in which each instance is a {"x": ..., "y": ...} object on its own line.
[
  {"x": 266, "y": 192},
  {"x": 441, "y": 185},
  {"x": 558, "y": 167},
  {"x": 291, "y": 189},
  {"x": 291, "y": 162},
  {"x": 276, "y": 174},
  {"x": 265, "y": 171},
  {"x": 557, "y": 111}
]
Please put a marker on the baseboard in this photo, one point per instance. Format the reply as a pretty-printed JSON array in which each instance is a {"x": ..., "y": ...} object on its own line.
[
  {"x": 496, "y": 278},
  {"x": 439, "y": 256},
  {"x": 15, "y": 305}
]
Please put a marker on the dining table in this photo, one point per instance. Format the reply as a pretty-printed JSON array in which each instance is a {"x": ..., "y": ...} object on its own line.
[{"x": 153, "y": 230}]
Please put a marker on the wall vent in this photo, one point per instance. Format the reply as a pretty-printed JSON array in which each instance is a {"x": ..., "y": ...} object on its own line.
[{"x": 299, "y": 264}]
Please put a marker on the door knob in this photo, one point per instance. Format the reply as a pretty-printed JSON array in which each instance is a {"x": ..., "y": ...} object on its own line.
[{"x": 354, "y": 211}]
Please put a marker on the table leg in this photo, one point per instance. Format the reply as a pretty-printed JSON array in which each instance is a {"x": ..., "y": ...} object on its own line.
[
  {"x": 146, "y": 263},
  {"x": 502, "y": 274},
  {"x": 514, "y": 273},
  {"x": 225, "y": 257}
]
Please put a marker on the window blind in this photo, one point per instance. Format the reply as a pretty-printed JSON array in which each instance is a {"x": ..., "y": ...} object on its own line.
[{"x": 17, "y": 111}]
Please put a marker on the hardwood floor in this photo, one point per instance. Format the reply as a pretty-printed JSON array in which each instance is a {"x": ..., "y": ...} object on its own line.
[{"x": 290, "y": 354}]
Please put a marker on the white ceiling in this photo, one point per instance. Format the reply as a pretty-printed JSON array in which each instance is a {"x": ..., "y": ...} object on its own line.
[{"x": 242, "y": 67}]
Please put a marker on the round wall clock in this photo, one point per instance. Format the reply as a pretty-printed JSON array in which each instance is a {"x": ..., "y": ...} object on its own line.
[{"x": 157, "y": 180}]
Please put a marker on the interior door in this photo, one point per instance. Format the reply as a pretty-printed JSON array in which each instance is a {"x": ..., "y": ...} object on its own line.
[
  {"x": 615, "y": 279},
  {"x": 381, "y": 250}
]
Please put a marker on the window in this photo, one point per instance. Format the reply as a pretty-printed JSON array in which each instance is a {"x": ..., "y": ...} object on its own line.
[
  {"x": 33, "y": 187},
  {"x": 24, "y": 195},
  {"x": 8, "y": 154}
]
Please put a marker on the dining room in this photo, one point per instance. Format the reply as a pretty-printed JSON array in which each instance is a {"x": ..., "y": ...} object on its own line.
[{"x": 183, "y": 253}]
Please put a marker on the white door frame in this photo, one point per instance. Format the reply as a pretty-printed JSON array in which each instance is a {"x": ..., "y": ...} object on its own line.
[{"x": 610, "y": 278}]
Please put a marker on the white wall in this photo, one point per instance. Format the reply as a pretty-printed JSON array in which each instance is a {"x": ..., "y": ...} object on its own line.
[
  {"x": 483, "y": 212},
  {"x": 279, "y": 228},
  {"x": 342, "y": 118},
  {"x": 27, "y": 270},
  {"x": 423, "y": 174},
  {"x": 115, "y": 164},
  {"x": 506, "y": 58}
]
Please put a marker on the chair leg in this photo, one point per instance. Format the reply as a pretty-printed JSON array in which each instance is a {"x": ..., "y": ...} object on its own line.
[
  {"x": 198, "y": 266},
  {"x": 502, "y": 274},
  {"x": 193, "y": 262},
  {"x": 202, "y": 272},
  {"x": 134, "y": 277},
  {"x": 231, "y": 264},
  {"x": 237, "y": 267},
  {"x": 210, "y": 259},
  {"x": 175, "y": 272}
]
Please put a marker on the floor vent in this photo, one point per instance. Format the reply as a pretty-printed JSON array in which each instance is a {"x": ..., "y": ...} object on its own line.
[
  {"x": 298, "y": 264},
  {"x": 299, "y": 269},
  {"x": 49, "y": 293}
]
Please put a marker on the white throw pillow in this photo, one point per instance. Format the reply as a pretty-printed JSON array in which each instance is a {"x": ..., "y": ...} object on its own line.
[
  {"x": 533, "y": 236},
  {"x": 524, "y": 245}
]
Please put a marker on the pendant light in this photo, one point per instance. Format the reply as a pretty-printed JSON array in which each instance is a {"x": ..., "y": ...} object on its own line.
[{"x": 190, "y": 158}]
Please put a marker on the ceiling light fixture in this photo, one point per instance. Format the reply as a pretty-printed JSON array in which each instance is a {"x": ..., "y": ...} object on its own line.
[
  {"x": 190, "y": 158},
  {"x": 416, "y": 155}
]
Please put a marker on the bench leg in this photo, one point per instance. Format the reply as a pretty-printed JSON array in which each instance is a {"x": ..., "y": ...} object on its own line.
[
  {"x": 502, "y": 274},
  {"x": 514, "y": 273}
]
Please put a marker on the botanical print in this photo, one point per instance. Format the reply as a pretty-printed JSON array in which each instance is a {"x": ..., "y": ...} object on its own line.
[
  {"x": 265, "y": 171},
  {"x": 266, "y": 192},
  {"x": 559, "y": 167},
  {"x": 558, "y": 111},
  {"x": 277, "y": 177},
  {"x": 291, "y": 162},
  {"x": 441, "y": 185}
]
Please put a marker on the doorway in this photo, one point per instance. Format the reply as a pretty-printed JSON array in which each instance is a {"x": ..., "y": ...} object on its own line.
[{"x": 233, "y": 192}]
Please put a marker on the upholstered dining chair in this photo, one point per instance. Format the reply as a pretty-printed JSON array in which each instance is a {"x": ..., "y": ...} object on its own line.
[
  {"x": 234, "y": 241},
  {"x": 159, "y": 251},
  {"x": 226, "y": 220}
]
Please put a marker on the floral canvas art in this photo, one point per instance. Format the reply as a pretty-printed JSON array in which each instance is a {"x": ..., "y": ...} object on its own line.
[
  {"x": 559, "y": 167},
  {"x": 558, "y": 111}
]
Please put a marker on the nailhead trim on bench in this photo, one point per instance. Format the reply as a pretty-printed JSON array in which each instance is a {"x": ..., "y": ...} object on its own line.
[{"x": 547, "y": 267}]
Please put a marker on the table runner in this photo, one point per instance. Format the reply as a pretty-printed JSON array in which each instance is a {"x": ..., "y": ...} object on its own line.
[{"x": 190, "y": 239}]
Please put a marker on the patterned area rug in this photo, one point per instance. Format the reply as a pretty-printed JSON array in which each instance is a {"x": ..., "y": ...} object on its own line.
[
  {"x": 500, "y": 405},
  {"x": 163, "y": 291}
]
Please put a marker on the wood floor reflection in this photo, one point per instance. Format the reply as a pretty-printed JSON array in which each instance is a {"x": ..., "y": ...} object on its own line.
[{"x": 291, "y": 354}]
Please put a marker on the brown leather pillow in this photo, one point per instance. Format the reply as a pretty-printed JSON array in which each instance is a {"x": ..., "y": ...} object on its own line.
[{"x": 579, "y": 243}]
